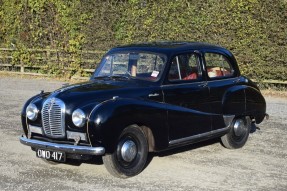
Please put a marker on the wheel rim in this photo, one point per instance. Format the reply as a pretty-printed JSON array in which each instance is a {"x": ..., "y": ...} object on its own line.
[
  {"x": 128, "y": 151},
  {"x": 240, "y": 128}
]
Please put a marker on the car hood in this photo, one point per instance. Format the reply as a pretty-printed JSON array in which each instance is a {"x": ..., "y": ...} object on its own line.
[{"x": 94, "y": 91}]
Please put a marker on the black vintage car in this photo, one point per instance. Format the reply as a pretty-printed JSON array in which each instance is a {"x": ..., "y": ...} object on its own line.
[{"x": 145, "y": 98}]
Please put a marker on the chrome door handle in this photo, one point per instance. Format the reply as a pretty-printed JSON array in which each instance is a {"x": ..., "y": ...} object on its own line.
[
  {"x": 237, "y": 80},
  {"x": 203, "y": 85},
  {"x": 153, "y": 95}
]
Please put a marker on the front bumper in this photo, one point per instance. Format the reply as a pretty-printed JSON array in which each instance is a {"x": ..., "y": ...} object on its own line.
[{"x": 74, "y": 149}]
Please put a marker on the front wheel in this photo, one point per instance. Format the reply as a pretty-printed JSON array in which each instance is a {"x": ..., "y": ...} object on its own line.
[
  {"x": 130, "y": 155},
  {"x": 238, "y": 134}
]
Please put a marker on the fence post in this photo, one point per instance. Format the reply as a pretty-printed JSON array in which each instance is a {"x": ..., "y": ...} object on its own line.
[
  {"x": 22, "y": 67},
  {"x": 48, "y": 54}
]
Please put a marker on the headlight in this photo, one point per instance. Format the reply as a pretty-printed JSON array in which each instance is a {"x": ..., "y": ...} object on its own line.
[
  {"x": 32, "y": 112},
  {"x": 79, "y": 118}
]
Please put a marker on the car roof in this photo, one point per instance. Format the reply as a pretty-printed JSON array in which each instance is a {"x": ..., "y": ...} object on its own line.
[{"x": 169, "y": 47}]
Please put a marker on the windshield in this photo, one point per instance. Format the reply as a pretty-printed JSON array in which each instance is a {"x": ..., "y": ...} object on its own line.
[{"x": 141, "y": 65}]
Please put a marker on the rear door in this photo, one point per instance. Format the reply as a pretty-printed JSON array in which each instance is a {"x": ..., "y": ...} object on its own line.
[{"x": 221, "y": 75}]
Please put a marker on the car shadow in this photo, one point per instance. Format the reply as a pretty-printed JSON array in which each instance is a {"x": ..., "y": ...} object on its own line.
[
  {"x": 181, "y": 149},
  {"x": 97, "y": 160},
  {"x": 94, "y": 160},
  {"x": 194, "y": 146}
]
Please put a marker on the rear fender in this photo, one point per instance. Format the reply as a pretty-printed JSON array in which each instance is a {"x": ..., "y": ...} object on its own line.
[
  {"x": 244, "y": 100},
  {"x": 255, "y": 104}
]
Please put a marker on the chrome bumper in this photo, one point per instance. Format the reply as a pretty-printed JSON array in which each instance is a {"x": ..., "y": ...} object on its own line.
[{"x": 63, "y": 147}]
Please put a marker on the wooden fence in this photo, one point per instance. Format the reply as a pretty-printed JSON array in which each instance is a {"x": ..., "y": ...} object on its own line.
[
  {"x": 37, "y": 61},
  {"x": 41, "y": 59}
]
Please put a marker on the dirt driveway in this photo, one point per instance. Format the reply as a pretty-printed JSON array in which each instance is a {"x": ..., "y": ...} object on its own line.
[{"x": 260, "y": 165}]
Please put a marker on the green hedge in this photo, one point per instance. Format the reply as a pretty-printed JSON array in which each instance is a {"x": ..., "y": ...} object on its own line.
[{"x": 254, "y": 30}]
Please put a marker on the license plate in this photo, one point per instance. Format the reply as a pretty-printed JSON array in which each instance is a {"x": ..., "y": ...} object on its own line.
[{"x": 51, "y": 155}]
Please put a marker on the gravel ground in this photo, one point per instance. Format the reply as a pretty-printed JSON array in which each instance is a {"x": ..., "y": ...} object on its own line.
[{"x": 260, "y": 165}]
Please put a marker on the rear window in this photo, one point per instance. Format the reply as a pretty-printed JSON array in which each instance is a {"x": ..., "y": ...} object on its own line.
[{"x": 218, "y": 66}]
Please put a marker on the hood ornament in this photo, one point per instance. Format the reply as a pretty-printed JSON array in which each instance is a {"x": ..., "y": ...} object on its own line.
[{"x": 52, "y": 102}]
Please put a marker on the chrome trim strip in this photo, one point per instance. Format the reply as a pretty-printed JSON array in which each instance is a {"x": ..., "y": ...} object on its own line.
[
  {"x": 89, "y": 118},
  {"x": 63, "y": 147},
  {"x": 187, "y": 139},
  {"x": 185, "y": 82}
]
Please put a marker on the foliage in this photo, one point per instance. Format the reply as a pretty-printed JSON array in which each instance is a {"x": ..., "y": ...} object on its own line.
[{"x": 254, "y": 30}]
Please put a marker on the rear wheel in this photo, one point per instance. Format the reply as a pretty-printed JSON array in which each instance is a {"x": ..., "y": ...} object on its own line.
[
  {"x": 130, "y": 155},
  {"x": 238, "y": 134}
]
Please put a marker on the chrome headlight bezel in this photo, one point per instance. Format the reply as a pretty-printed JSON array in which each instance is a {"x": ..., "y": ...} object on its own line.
[
  {"x": 79, "y": 118},
  {"x": 32, "y": 112}
]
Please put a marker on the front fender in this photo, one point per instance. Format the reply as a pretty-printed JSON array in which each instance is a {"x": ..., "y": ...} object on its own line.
[
  {"x": 244, "y": 100},
  {"x": 23, "y": 112},
  {"x": 109, "y": 118}
]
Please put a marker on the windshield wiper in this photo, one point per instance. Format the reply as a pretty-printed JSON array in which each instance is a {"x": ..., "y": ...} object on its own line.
[
  {"x": 114, "y": 76},
  {"x": 101, "y": 77},
  {"x": 119, "y": 76}
]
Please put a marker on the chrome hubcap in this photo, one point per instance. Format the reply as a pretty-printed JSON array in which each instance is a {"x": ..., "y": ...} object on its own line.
[
  {"x": 129, "y": 151},
  {"x": 239, "y": 127}
]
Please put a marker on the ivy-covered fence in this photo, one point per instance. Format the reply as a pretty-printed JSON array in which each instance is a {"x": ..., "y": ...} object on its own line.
[
  {"x": 254, "y": 30},
  {"x": 49, "y": 62}
]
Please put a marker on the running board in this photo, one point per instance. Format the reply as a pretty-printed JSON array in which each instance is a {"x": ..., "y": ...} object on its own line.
[{"x": 199, "y": 137}]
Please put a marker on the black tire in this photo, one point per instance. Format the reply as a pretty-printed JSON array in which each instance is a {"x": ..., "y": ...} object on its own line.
[
  {"x": 130, "y": 155},
  {"x": 238, "y": 134}
]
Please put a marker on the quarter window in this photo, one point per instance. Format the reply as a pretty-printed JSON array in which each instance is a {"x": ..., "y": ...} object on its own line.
[
  {"x": 218, "y": 65},
  {"x": 185, "y": 67}
]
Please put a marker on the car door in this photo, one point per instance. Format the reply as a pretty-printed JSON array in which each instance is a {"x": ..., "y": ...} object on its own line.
[
  {"x": 221, "y": 75},
  {"x": 186, "y": 93}
]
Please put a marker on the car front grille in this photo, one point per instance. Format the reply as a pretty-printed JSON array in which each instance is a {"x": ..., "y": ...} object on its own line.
[{"x": 53, "y": 118}]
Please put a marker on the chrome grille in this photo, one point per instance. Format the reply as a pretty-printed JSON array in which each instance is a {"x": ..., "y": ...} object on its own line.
[{"x": 53, "y": 118}]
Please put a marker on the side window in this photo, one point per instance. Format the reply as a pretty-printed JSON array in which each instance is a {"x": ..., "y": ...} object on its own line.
[
  {"x": 147, "y": 63},
  {"x": 185, "y": 67},
  {"x": 217, "y": 65}
]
